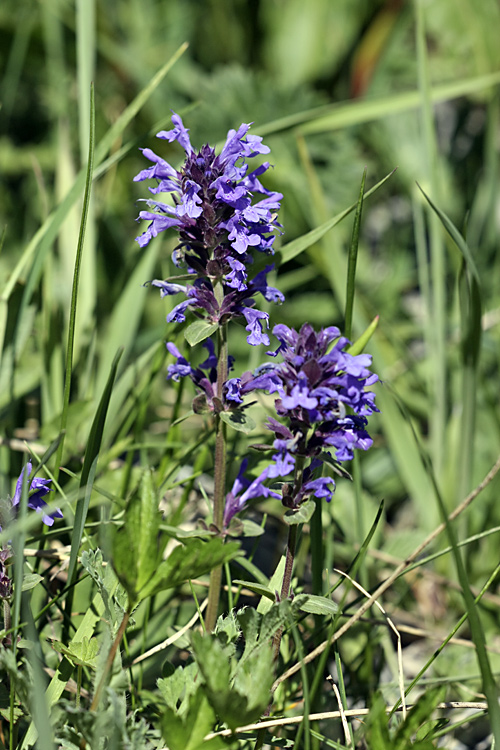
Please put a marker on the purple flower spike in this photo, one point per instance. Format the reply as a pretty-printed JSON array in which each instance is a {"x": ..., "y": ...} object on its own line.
[
  {"x": 218, "y": 222},
  {"x": 324, "y": 399},
  {"x": 37, "y": 490}
]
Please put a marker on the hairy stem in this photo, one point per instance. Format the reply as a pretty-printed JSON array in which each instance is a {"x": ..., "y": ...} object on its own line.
[{"x": 219, "y": 467}]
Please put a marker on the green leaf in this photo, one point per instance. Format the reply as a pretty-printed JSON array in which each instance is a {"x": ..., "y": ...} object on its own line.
[
  {"x": 295, "y": 247},
  {"x": 241, "y": 700},
  {"x": 83, "y": 652},
  {"x": 178, "y": 687},
  {"x": 30, "y": 581},
  {"x": 318, "y": 605},
  {"x": 136, "y": 551},
  {"x": 256, "y": 588},
  {"x": 362, "y": 341},
  {"x": 352, "y": 261},
  {"x": 250, "y": 528},
  {"x": 238, "y": 420},
  {"x": 199, "y": 331},
  {"x": 89, "y": 469},
  {"x": 303, "y": 513},
  {"x": 190, "y": 560},
  {"x": 187, "y": 732},
  {"x": 258, "y": 629}
]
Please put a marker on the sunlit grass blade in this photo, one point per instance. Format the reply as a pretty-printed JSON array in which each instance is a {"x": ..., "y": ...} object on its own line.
[
  {"x": 89, "y": 467},
  {"x": 352, "y": 260},
  {"x": 76, "y": 278},
  {"x": 50, "y": 228},
  {"x": 294, "y": 248},
  {"x": 126, "y": 315},
  {"x": 365, "y": 110}
]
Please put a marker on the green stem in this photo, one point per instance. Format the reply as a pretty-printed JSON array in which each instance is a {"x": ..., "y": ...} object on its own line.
[
  {"x": 290, "y": 552},
  {"x": 219, "y": 466}
]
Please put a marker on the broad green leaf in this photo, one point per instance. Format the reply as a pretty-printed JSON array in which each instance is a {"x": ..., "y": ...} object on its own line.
[
  {"x": 238, "y": 420},
  {"x": 258, "y": 629},
  {"x": 250, "y": 528},
  {"x": 242, "y": 700},
  {"x": 318, "y": 605},
  {"x": 303, "y": 513},
  {"x": 136, "y": 548},
  {"x": 178, "y": 687},
  {"x": 190, "y": 560},
  {"x": 30, "y": 581},
  {"x": 199, "y": 331}
]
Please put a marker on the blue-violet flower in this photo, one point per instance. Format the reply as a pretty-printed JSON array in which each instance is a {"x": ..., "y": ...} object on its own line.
[
  {"x": 243, "y": 490},
  {"x": 218, "y": 225},
  {"x": 37, "y": 489},
  {"x": 316, "y": 384}
]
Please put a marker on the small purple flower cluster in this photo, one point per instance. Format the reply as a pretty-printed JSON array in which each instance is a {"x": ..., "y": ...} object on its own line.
[
  {"x": 218, "y": 224},
  {"x": 37, "y": 489},
  {"x": 316, "y": 384}
]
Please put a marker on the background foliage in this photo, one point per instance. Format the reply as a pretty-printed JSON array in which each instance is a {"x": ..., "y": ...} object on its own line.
[{"x": 333, "y": 87}]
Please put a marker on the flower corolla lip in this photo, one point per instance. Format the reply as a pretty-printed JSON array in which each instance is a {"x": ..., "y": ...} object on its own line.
[
  {"x": 179, "y": 133},
  {"x": 244, "y": 490},
  {"x": 254, "y": 320}
]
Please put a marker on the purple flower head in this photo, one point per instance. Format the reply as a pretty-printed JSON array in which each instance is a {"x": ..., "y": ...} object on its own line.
[
  {"x": 37, "y": 489},
  {"x": 212, "y": 205},
  {"x": 323, "y": 398},
  {"x": 205, "y": 379},
  {"x": 243, "y": 490}
]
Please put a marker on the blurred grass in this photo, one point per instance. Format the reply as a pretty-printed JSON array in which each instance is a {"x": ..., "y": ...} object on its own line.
[{"x": 338, "y": 88}]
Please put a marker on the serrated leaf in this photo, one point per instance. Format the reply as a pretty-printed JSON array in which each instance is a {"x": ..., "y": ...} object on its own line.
[
  {"x": 240, "y": 700},
  {"x": 303, "y": 514},
  {"x": 83, "y": 652},
  {"x": 30, "y": 581},
  {"x": 319, "y": 605},
  {"x": 238, "y": 420},
  {"x": 179, "y": 687},
  {"x": 187, "y": 732},
  {"x": 199, "y": 331},
  {"x": 190, "y": 560}
]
